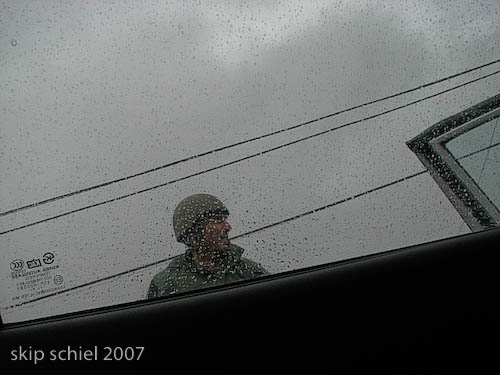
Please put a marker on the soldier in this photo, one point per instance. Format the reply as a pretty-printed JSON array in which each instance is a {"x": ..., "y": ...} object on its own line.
[{"x": 200, "y": 222}]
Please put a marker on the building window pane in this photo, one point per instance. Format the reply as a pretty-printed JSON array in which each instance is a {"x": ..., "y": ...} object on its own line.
[{"x": 477, "y": 152}]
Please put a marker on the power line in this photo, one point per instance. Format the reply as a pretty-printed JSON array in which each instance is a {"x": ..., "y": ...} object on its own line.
[
  {"x": 247, "y": 157},
  {"x": 91, "y": 283},
  {"x": 330, "y": 205},
  {"x": 244, "y": 141},
  {"x": 488, "y": 153},
  {"x": 487, "y": 148}
]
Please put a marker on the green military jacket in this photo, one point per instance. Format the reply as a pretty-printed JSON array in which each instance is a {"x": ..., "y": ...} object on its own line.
[{"x": 181, "y": 275}]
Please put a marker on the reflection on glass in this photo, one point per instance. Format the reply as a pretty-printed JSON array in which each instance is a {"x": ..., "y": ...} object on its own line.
[{"x": 477, "y": 151}]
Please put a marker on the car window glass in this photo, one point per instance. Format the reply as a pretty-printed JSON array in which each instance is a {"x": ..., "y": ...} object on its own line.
[{"x": 296, "y": 115}]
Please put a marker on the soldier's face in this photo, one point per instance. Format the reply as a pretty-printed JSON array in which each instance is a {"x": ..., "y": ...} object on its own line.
[{"x": 215, "y": 234}]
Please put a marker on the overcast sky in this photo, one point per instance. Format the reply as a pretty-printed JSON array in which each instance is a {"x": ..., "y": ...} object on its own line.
[{"x": 93, "y": 91}]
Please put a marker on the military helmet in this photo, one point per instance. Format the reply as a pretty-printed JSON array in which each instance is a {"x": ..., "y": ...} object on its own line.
[{"x": 193, "y": 210}]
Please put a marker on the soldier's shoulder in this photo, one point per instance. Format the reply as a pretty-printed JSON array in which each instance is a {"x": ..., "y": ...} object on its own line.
[
  {"x": 254, "y": 265},
  {"x": 171, "y": 279},
  {"x": 175, "y": 265},
  {"x": 248, "y": 264},
  {"x": 255, "y": 268},
  {"x": 238, "y": 250}
]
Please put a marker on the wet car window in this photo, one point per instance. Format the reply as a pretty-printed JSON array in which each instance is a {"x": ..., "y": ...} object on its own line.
[{"x": 294, "y": 117}]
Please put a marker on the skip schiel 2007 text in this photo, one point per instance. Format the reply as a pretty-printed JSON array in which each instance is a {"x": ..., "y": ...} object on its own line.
[{"x": 68, "y": 353}]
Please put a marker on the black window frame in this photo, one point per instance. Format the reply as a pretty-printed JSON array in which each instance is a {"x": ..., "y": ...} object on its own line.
[{"x": 467, "y": 197}]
